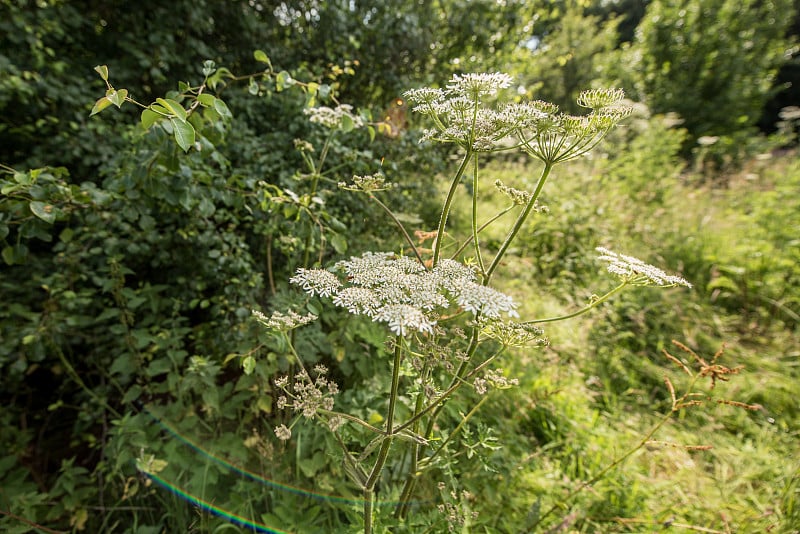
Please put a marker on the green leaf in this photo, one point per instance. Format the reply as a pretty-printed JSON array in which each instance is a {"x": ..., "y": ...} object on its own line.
[
  {"x": 65, "y": 236},
  {"x": 208, "y": 68},
  {"x": 347, "y": 123},
  {"x": 283, "y": 80},
  {"x": 149, "y": 117},
  {"x": 339, "y": 243},
  {"x": 15, "y": 254},
  {"x": 43, "y": 210},
  {"x": 206, "y": 100},
  {"x": 174, "y": 108},
  {"x": 324, "y": 91},
  {"x": 102, "y": 70},
  {"x": 100, "y": 105},
  {"x": 184, "y": 133},
  {"x": 23, "y": 178},
  {"x": 252, "y": 87},
  {"x": 222, "y": 108},
  {"x": 261, "y": 57},
  {"x": 133, "y": 393},
  {"x": 248, "y": 365},
  {"x": 118, "y": 97}
]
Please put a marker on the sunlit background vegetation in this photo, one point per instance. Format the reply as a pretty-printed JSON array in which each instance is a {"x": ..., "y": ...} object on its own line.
[{"x": 129, "y": 266}]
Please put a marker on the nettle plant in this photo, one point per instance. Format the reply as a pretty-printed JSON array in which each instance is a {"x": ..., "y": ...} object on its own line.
[{"x": 447, "y": 327}]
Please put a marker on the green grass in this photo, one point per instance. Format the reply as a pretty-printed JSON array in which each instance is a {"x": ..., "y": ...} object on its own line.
[{"x": 599, "y": 386}]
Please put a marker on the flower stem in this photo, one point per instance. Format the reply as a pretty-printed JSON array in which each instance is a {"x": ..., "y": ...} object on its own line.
[
  {"x": 520, "y": 221},
  {"x": 446, "y": 207},
  {"x": 397, "y": 222},
  {"x": 383, "y": 454},
  {"x": 596, "y": 302},
  {"x": 475, "y": 215}
]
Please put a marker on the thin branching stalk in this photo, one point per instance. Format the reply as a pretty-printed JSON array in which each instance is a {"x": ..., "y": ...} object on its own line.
[
  {"x": 383, "y": 454},
  {"x": 593, "y": 304},
  {"x": 467, "y": 241},
  {"x": 520, "y": 221},
  {"x": 475, "y": 241},
  {"x": 446, "y": 207},
  {"x": 401, "y": 227}
]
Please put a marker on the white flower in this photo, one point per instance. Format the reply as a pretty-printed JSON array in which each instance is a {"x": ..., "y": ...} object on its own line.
[
  {"x": 635, "y": 271},
  {"x": 402, "y": 317},
  {"x": 283, "y": 433},
  {"x": 489, "y": 302},
  {"x": 357, "y": 300},
  {"x": 316, "y": 282},
  {"x": 333, "y": 117},
  {"x": 478, "y": 84},
  {"x": 283, "y": 321}
]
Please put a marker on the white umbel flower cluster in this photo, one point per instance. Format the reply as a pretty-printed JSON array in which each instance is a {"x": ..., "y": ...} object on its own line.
[
  {"x": 399, "y": 291},
  {"x": 636, "y": 272},
  {"x": 334, "y": 117},
  {"x": 462, "y": 116}
]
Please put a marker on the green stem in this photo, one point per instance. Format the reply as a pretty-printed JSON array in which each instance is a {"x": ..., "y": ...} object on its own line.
[
  {"x": 446, "y": 208},
  {"x": 518, "y": 225},
  {"x": 475, "y": 215},
  {"x": 411, "y": 481},
  {"x": 383, "y": 454},
  {"x": 467, "y": 241},
  {"x": 457, "y": 429},
  {"x": 596, "y": 302},
  {"x": 401, "y": 227}
]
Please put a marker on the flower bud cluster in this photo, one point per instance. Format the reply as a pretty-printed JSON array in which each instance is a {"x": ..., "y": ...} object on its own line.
[
  {"x": 493, "y": 378},
  {"x": 367, "y": 184},
  {"x": 306, "y": 396}
]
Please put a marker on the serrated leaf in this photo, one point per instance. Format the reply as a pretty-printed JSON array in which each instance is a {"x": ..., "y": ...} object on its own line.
[
  {"x": 183, "y": 133},
  {"x": 261, "y": 56},
  {"x": 174, "y": 108},
  {"x": 102, "y": 70},
  {"x": 208, "y": 68},
  {"x": 149, "y": 117},
  {"x": 100, "y": 105},
  {"x": 43, "y": 210}
]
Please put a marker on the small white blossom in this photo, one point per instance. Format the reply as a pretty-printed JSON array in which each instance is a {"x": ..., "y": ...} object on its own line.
[
  {"x": 333, "y": 117},
  {"x": 283, "y": 321},
  {"x": 477, "y": 298},
  {"x": 635, "y": 271},
  {"x": 316, "y": 282},
  {"x": 283, "y": 433},
  {"x": 476, "y": 85},
  {"x": 402, "y": 317}
]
